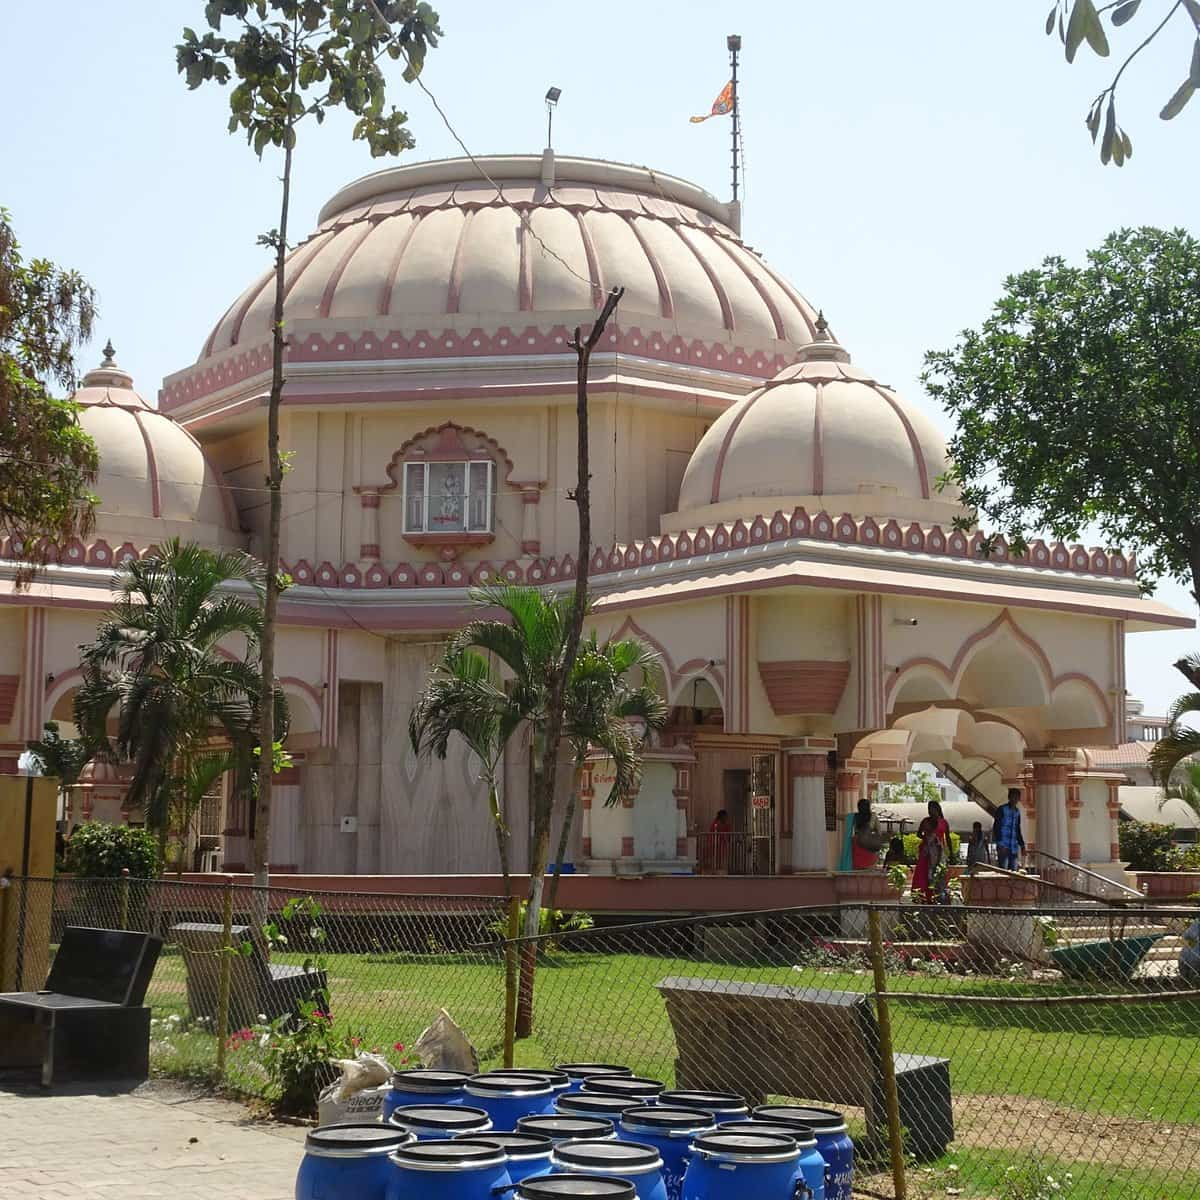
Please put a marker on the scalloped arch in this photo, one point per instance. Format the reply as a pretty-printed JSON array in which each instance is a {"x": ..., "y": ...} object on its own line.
[{"x": 498, "y": 452}]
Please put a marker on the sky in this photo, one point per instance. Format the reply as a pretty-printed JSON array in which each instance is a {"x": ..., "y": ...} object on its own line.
[{"x": 901, "y": 159}]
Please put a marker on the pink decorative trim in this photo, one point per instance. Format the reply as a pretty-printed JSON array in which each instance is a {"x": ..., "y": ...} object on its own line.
[
  {"x": 717, "y": 286},
  {"x": 152, "y": 466},
  {"x": 666, "y": 304},
  {"x": 385, "y": 298},
  {"x": 450, "y": 448},
  {"x": 335, "y": 276},
  {"x": 756, "y": 283},
  {"x": 593, "y": 262},
  {"x": 627, "y": 847},
  {"x": 804, "y": 685},
  {"x": 454, "y": 288},
  {"x": 525, "y": 271},
  {"x": 818, "y": 452},
  {"x": 913, "y": 441},
  {"x": 241, "y": 312}
]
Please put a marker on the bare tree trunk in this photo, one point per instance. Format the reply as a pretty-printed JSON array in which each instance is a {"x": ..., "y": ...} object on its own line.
[
  {"x": 266, "y": 729},
  {"x": 564, "y": 838},
  {"x": 543, "y": 798}
]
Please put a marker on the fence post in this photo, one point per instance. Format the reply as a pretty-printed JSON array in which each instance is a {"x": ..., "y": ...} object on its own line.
[
  {"x": 123, "y": 898},
  {"x": 225, "y": 974},
  {"x": 510, "y": 979},
  {"x": 887, "y": 1063}
]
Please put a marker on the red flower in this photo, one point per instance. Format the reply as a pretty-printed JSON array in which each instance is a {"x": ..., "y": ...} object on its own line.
[{"x": 398, "y": 1046}]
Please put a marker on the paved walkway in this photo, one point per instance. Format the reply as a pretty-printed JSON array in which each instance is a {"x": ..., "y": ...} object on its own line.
[{"x": 157, "y": 1142}]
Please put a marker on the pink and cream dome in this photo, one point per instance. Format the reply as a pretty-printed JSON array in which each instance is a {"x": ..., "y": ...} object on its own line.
[
  {"x": 154, "y": 481},
  {"x": 822, "y": 434},
  {"x": 432, "y": 260}
]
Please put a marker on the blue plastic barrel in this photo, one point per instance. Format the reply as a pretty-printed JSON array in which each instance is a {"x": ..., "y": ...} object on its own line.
[
  {"x": 578, "y": 1072},
  {"x": 525, "y": 1154},
  {"x": 560, "y": 1081},
  {"x": 833, "y": 1141},
  {"x": 812, "y": 1163},
  {"x": 570, "y": 1187},
  {"x": 348, "y": 1162},
  {"x": 507, "y": 1098},
  {"x": 636, "y": 1162},
  {"x": 439, "y": 1121},
  {"x": 593, "y": 1104},
  {"x": 564, "y": 1129},
  {"x": 722, "y": 1106},
  {"x": 670, "y": 1131},
  {"x": 635, "y": 1087},
  {"x": 729, "y": 1165},
  {"x": 424, "y": 1087},
  {"x": 443, "y": 1170}
]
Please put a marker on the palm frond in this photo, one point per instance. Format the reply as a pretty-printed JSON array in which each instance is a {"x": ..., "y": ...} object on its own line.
[{"x": 1170, "y": 750}]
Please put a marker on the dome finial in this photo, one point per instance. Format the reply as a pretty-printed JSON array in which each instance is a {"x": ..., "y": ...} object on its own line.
[
  {"x": 822, "y": 325},
  {"x": 109, "y": 359}
]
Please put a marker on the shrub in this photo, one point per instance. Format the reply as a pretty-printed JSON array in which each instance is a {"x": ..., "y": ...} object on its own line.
[
  {"x": 912, "y": 846},
  {"x": 101, "y": 851},
  {"x": 1147, "y": 847}
]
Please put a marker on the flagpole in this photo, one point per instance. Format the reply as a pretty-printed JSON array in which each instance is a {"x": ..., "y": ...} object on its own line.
[{"x": 734, "y": 43}]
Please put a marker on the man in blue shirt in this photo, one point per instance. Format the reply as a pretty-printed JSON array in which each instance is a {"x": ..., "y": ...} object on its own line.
[{"x": 1006, "y": 833}]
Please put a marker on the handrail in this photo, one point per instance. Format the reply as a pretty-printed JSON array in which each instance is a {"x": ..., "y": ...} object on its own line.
[
  {"x": 1132, "y": 893},
  {"x": 1053, "y": 883}
]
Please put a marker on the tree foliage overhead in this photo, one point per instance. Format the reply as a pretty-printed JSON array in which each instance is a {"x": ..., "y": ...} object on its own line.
[
  {"x": 1079, "y": 23},
  {"x": 1077, "y": 402},
  {"x": 297, "y": 58},
  {"x": 47, "y": 462}
]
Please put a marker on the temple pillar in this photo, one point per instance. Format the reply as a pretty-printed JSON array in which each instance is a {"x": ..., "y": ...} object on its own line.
[
  {"x": 1074, "y": 809},
  {"x": 804, "y": 804},
  {"x": 369, "y": 547},
  {"x": 586, "y": 794},
  {"x": 531, "y": 538},
  {"x": 1114, "y": 819},
  {"x": 1051, "y": 772},
  {"x": 683, "y": 760}
]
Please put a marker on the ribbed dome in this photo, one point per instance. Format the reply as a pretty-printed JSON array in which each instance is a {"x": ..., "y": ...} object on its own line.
[
  {"x": 154, "y": 480},
  {"x": 436, "y": 246},
  {"x": 822, "y": 434}
]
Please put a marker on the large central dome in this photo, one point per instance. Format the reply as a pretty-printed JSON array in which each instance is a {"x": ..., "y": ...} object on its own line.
[{"x": 438, "y": 247}]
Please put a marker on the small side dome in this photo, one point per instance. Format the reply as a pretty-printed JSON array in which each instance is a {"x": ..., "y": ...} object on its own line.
[
  {"x": 820, "y": 434},
  {"x": 154, "y": 481}
]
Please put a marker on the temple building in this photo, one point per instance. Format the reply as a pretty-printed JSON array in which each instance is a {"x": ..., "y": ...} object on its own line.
[{"x": 766, "y": 513}]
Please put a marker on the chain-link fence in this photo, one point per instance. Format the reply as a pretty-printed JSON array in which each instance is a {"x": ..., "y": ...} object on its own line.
[{"x": 1014, "y": 1053}]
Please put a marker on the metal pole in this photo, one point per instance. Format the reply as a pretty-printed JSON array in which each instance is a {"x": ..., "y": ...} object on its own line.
[
  {"x": 510, "y": 979},
  {"x": 225, "y": 974},
  {"x": 22, "y": 902},
  {"x": 887, "y": 1063},
  {"x": 123, "y": 898},
  {"x": 734, "y": 42}
]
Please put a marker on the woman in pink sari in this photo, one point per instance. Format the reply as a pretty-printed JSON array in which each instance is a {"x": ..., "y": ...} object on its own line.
[{"x": 932, "y": 857}]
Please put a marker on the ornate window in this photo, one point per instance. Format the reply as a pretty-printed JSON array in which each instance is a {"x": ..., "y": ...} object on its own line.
[{"x": 449, "y": 496}]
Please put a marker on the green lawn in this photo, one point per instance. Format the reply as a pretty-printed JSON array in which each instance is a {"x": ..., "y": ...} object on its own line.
[{"x": 1118, "y": 1066}]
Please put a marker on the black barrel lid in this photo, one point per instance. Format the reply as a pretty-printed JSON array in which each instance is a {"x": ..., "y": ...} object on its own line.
[
  {"x": 607, "y": 1156},
  {"x": 429, "y": 1081},
  {"x": 594, "y": 1104},
  {"x": 562, "y": 1187},
  {"x": 358, "y": 1138},
  {"x": 803, "y": 1134},
  {"x": 450, "y": 1117},
  {"x": 583, "y": 1070},
  {"x": 655, "y": 1116},
  {"x": 745, "y": 1144},
  {"x": 432, "y": 1155},
  {"x": 560, "y": 1128},
  {"x": 516, "y": 1145},
  {"x": 819, "y": 1120},
  {"x": 623, "y": 1085},
  {"x": 558, "y": 1079},
  {"x": 709, "y": 1101},
  {"x": 502, "y": 1083}
]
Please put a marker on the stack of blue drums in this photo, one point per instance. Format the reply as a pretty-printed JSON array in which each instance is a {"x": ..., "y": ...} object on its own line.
[
  {"x": 564, "y": 1129},
  {"x": 593, "y": 1104},
  {"x": 633, "y": 1162},
  {"x": 570, "y": 1187},
  {"x": 669, "y": 1131},
  {"x": 433, "y": 1122},
  {"x": 829, "y": 1127},
  {"x": 349, "y": 1161},
  {"x": 526, "y": 1154},
  {"x": 445, "y": 1170},
  {"x": 721, "y": 1106},
  {"x": 812, "y": 1164},
  {"x": 424, "y": 1087},
  {"x": 559, "y": 1081},
  {"x": 742, "y": 1165},
  {"x": 632, "y": 1087}
]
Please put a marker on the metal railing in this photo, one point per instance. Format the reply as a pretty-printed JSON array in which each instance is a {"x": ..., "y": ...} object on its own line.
[
  {"x": 1081, "y": 881},
  {"x": 734, "y": 854}
]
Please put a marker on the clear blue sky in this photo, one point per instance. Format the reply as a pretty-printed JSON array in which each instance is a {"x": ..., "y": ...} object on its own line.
[{"x": 901, "y": 158}]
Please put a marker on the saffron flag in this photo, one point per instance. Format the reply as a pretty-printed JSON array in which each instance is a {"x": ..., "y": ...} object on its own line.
[{"x": 722, "y": 105}]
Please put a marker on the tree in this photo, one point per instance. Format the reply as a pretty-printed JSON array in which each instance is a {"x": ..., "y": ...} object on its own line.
[
  {"x": 1079, "y": 23},
  {"x": 157, "y": 662},
  {"x": 919, "y": 788},
  {"x": 1185, "y": 785},
  {"x": 1181, "y": 741},
  {"x": 1076, "y": 403},
  {"x": 605, "y": 707},
  {"x": 62, "y": 759},
  {"x": 295, "y": 59},
  {"x": 47, "y": 462}
]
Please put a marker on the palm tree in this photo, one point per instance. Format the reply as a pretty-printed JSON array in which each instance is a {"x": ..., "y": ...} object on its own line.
[
  {"x": 608, "y": 711},
  {"x": 1187, "y": 788},
  {"x": 63, "y": 759},
  {"x": 1180, "y": 741},
  {"x": 157, "y": 662}
]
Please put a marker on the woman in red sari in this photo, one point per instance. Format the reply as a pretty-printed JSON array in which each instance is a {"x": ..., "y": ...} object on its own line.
[{"x": 932, "y": 857}]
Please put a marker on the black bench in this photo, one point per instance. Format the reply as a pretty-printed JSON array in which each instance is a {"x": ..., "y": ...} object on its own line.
[
  {"x": 89, "y": 1020},
  {"x": 760, "y": 1040},
  {"x": 256, "y": 987}
]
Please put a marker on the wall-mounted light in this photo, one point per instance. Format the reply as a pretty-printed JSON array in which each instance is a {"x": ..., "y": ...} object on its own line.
[
  {"x": 911, "y": 622},
  {"x": 552, "y": 98}
]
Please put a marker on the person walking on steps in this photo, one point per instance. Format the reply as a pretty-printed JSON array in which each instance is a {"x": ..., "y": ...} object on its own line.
[{"x": 1006, "y": 833}]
